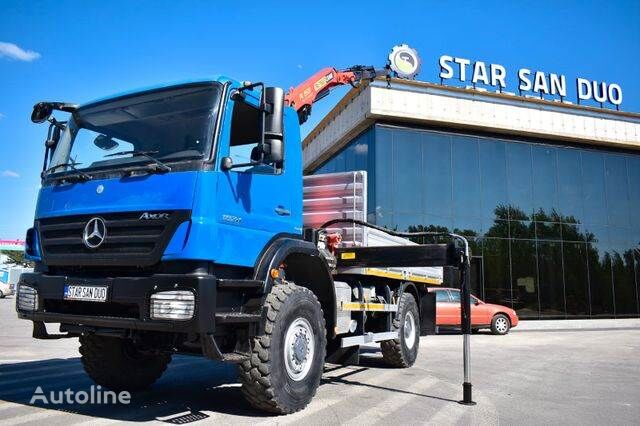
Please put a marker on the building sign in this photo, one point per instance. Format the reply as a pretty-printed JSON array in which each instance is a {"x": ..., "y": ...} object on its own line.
[
  {"x": 404, "y": 61},
  {"x": 535, "y": 82}
]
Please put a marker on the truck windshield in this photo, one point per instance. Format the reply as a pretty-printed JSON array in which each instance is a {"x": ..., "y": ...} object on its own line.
[{"x": 171, "y": 125}]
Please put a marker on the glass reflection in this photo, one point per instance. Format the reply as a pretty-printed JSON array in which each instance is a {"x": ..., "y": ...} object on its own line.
[{"x": 552, "y": 226}]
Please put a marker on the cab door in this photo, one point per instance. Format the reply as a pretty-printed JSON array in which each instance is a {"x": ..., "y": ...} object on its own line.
[{"x": 255, "y": 202}]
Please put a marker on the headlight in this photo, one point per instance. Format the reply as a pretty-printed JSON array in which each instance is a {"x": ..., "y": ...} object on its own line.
[
  {"x": 27, "y": 299},
  {"x": 173, "y": 305}
]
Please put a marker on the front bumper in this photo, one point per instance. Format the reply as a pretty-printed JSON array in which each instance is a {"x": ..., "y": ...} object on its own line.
[{"x": 127, "y": 304}]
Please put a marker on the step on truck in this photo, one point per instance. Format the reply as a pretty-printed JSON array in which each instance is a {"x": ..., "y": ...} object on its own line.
[{"x": 176, "y": 220}]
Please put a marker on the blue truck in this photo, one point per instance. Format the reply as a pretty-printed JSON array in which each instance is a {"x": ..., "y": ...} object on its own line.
[{"x": 170, "y": 221}]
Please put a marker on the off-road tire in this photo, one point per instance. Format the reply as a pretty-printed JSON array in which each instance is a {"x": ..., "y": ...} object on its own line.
[
  {"x": 265, "y": 381},
  {"x": 116, "y": 364},
  {"x": 396, "y": 352},
  {"x": 496, "y": 329}
]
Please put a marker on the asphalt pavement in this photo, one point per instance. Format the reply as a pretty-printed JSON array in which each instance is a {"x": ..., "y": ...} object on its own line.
[{"x": 564, "y": 375}]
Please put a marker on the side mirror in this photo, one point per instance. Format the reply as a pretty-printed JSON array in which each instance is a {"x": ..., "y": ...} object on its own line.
[
  {"x": 476, "y": 302},
  {"x": 41, "y": 111},
  {"x": 226, "y": 163},
  {"x": 274, "y": 124},
  {"x": 105, "y": 142}
]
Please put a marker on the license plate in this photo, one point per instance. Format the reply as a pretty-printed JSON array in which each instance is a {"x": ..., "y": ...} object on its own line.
[{"x": 84, "y": 292}]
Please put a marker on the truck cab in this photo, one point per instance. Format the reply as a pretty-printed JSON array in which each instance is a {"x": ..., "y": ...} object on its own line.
[{"x": 170, "y": 220}]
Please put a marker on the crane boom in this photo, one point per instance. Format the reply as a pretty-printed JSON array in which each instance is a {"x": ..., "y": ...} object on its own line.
[{"x": 320, "y": 84}]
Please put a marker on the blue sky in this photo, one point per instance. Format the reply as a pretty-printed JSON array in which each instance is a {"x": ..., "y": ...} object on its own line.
[{"x": 78, "y": 51}]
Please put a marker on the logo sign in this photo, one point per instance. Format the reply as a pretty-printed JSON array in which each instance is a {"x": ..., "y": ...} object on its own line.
[
  {"x": 538, "y": 82},
  {"x": 154, "y": 216},
  {"x": 404, "y": 61},
  {"x": 95, "y": 232}
]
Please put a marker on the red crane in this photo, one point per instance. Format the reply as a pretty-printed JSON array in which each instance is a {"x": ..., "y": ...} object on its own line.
[{"x": 320, "y": 84}]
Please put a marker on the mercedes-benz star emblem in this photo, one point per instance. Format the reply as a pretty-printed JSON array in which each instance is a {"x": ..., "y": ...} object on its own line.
[{"x": 95, "y": 232}]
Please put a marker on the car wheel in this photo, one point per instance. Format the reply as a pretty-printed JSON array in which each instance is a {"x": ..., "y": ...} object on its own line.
[
  {"x": 500, "y": 324},
  {"x": 1, "y": 295}
]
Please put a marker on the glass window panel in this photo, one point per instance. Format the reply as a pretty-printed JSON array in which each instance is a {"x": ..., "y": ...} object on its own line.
[
  {"x": 624, "y": 286},
  {"x": 570, "y": 185},
  {"x": 470, "y": 227},
  {"x": 495, "y": 228},
  {"x": 576, "y": 280},
  {"x": 466, "y": 177},
  {"x": 573, "y": 232},
  {"x": 522, "y": 229},
  {"x": 617, "y": 190},
  {"x": 435, "y": 223},
  {"x": 497, "y": 279},
  {"x": 545, "y": 191},
  {"x": 407, "y": 167},
  {"x": 493, "y": 177},
  {"x": 593, "y": 188},
  {"x": 455, "y": 296},
  {"x": 384, "y": 171},
  {"x": 519, "y": 181},
  {"x": 436, "y": 160},
  {"x": 407, "y": 222},
  {"x": 633, "y": 167},
  {"x": 476, "y": 271},
  {"x": 524, "y": 278},
  {"x": 600, "y": 279},
  {"x": 550, "y": 283},
  {"x": 548, "y": 231},
  {"x": 596, "y": 233}
]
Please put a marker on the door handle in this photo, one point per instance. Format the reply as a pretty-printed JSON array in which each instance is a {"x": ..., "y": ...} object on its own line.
[{"x": 282, "y": 211}]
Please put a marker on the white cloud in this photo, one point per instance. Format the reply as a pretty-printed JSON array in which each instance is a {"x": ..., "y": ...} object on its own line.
[
  {"x": 9, "y": 174},
  {"x": 1, "y": 116},
  {"x": 299, "y": 66},
  {"x": 12, "y": 51}
]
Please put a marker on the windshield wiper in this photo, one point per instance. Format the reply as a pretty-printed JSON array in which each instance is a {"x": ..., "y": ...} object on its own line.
[
  {"x": 147, "y": 154},
  {"x": 72, "y": 165}
]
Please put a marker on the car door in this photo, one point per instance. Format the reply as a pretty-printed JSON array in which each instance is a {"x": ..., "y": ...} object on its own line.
[
  {"x": 445, "y": 310},
  {"x": 478, "y": 313}
]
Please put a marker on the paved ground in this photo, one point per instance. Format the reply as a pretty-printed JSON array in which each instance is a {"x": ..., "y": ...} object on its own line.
[{"x": 528, "y": 377}]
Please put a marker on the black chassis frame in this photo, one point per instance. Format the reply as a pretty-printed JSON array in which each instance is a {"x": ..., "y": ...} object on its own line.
[{"x": 208, "y": 316}]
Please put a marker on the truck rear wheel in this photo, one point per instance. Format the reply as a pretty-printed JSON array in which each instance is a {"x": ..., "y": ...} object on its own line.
[
  {"x": 118, "y": 365},
  {"x": 403, "y": 351},
  {"x": 286, "y": 362}
]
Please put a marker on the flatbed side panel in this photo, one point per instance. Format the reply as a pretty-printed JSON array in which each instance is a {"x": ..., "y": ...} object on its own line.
[{"x": 343, "y": 196}]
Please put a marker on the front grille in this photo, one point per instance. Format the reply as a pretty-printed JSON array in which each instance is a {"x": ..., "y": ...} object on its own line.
[{"x": 129, "y": 241}]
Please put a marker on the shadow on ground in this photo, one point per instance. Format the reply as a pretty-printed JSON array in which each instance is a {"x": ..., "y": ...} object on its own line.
[{"x": 189, "y": 388}]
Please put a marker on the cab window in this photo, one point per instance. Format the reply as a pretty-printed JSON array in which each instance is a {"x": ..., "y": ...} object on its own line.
[
  {"x": 455, "y": 296},
  {"x": 246, "y": 132}
]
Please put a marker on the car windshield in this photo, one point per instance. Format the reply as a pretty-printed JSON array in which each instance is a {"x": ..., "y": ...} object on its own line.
[{"x": 171, "y": 124}]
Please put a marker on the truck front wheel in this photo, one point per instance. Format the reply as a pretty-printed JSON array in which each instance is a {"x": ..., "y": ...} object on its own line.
[
  {"x": 118, "y": 365},
  {"x": 285, "y": 367},
  {"x": 403, "y": 351}
]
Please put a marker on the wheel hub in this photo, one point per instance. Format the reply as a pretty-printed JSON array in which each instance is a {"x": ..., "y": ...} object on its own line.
[
  {"x": 299, "y": 349},
  {"x": 409, "y": 330}
]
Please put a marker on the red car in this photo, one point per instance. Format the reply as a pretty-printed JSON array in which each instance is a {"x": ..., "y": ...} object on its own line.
[{"x": 500, "y": 319}]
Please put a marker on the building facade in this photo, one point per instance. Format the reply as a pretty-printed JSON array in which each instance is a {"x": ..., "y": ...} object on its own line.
[{"x": 551, "y": 215}]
